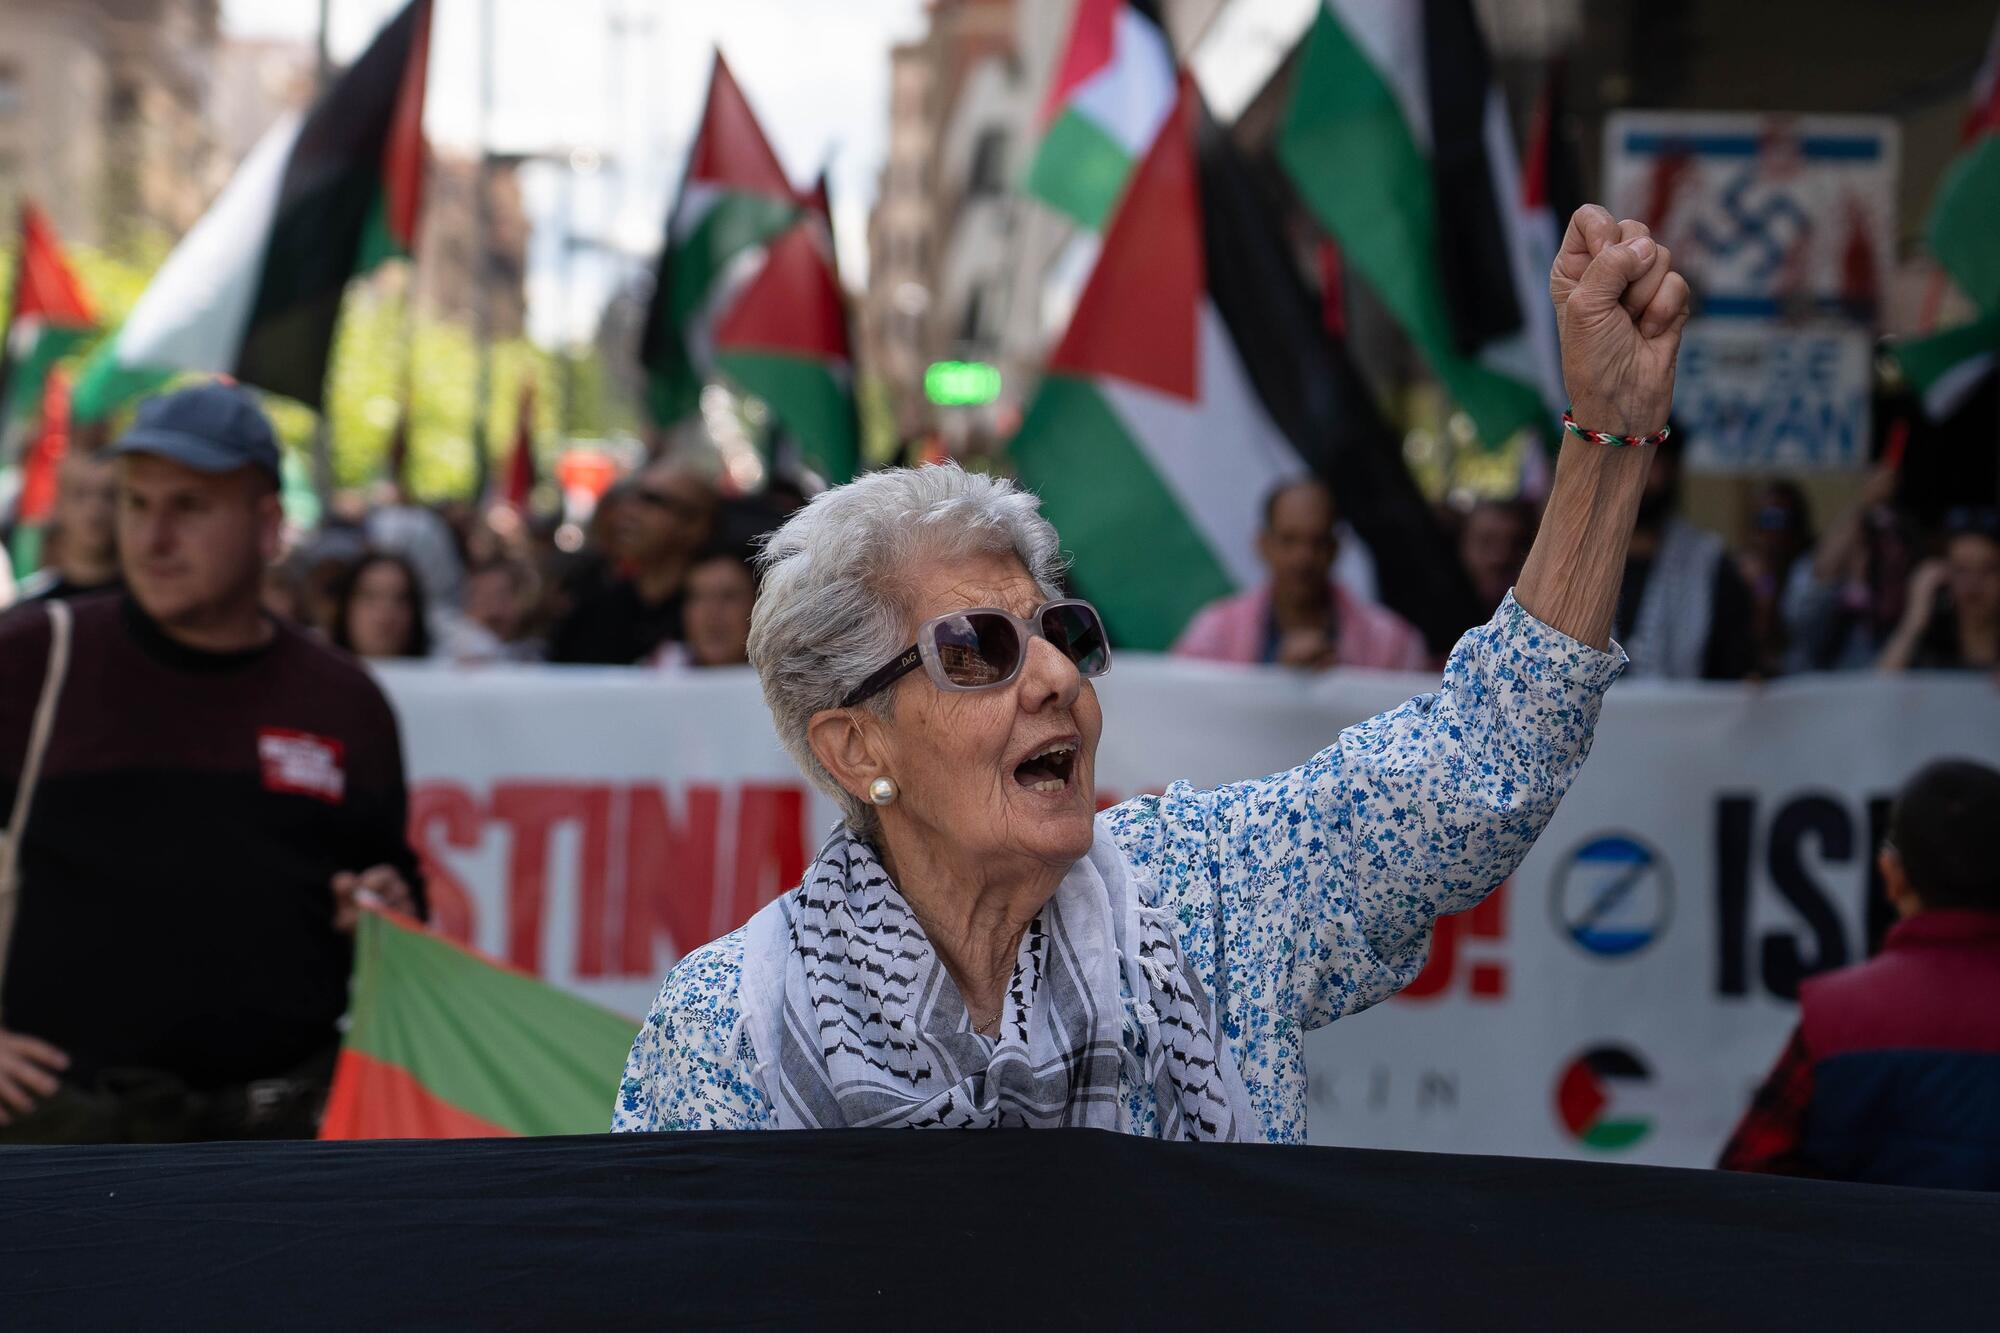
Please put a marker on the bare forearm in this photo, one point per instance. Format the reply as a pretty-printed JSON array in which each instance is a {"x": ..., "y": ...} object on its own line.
[
  {"x": 1901, "y": 650},
  {"x": 1570, "y": 581},
  {"x": 1620, "y": 307},
  {"x": 1836, "y": 550}
]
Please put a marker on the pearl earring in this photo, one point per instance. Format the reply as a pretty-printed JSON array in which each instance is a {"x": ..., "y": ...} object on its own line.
[{"x": 882, "y": 791}]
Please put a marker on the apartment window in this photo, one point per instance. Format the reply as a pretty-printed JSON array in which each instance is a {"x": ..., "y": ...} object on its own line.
[
  {"x": 989, "y": 164},
  {"x": 12, "y": 96}
]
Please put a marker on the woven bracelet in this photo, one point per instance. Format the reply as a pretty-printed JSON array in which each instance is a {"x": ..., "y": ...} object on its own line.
[{"x": 1615, "y": 441}]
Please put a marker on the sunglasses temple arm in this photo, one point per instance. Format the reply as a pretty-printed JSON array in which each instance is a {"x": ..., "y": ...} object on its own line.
[{"x": 906, "y": 662}]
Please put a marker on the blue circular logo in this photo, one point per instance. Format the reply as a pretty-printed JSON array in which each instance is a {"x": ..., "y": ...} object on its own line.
[{"x": 1613, "y": 896}]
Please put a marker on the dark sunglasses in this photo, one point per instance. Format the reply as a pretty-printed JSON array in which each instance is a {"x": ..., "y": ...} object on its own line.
[{"x": 983, "y": 647}]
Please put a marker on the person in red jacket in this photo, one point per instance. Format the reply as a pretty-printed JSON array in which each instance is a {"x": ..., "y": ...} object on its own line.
[{"x": 1893, "y": 1074}]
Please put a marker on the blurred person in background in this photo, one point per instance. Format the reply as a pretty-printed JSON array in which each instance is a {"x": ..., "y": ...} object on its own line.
[
  {"x": 500, "y": 597},
  {"x": 1893, "y": 1073},
  {"x": 320, "y": 582},
  {"x": 1951, "y": 619},
  {"x": 1493, "y": 541},
  {"x": 1300, "y": 616},
  {"x": 216, "y": 792},
  {"x": 379, "y": 609},
  {"x": 1778, "y": 555},
  {"x": 721, "y": 592},
  {"x": 1842, "y": 605},
  {"x": 425, "y": 542},
  {"x": 1683, "y": 609},
  {"x": 84, "y": 554},
  {"x": 284, "y": 593},
  {"x": 660, "y": 527}
]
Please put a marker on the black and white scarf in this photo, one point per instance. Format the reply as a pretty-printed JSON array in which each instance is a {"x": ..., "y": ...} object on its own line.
[{"x": 857, "y": 1023}]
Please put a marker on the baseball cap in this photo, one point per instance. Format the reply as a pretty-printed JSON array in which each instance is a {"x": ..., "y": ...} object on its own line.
[{"x": 212, "y": 427}]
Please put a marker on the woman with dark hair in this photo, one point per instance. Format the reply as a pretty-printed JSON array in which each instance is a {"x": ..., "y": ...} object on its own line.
[
  {"x": 715, "y": 617},
  {"x": 379, "y": 609},
  {"x": 1951, "y": 619}
]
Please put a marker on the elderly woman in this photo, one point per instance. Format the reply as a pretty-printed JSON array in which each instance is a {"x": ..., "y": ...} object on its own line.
[{"x": 975, "y": 947}]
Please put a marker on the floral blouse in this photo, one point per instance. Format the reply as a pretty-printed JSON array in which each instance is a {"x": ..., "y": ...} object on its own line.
[{"x": 1301, "y": 897}]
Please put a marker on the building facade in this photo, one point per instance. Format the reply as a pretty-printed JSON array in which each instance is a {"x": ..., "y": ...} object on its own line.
[
  {"x": 962, "y": 265},
  {"x": 103, "y": 114}
]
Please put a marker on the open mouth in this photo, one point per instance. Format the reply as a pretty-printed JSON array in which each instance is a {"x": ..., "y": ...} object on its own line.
[{"x": 1048, "y": 769}]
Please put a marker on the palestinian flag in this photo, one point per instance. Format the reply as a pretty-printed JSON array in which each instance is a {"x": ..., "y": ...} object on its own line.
[
  {"x": 1965, "y": 218},
  {"x": 1112, "y": 88},
  {"x": 1396, "y": 139},
  {"x": 785, "y": 340},
  {"x": 1194, "y": 378},
  {"x": 733, "y": 199},
  {"x": 254, "y": 289},
  {"x": 1945, "y": 369},
  {"x": 47, "y": 315},
  {"x": 444, "y": 1043}
]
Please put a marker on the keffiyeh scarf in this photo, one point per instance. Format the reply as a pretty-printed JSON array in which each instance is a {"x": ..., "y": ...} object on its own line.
[{"x": 857, "y": 1023}]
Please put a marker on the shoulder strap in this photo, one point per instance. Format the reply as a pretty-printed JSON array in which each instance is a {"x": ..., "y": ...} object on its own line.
[{"x": 31, "y": 771}]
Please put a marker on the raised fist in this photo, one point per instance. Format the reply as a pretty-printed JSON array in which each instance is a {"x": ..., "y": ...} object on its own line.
[{"x": 1620, "y": 308}]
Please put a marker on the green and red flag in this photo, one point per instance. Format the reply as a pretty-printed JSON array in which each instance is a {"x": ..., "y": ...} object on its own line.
[
  {"x": 785, "y": 339},
  {"x": 1194, "y": 378},
  {"x": 1396, "y": 139},
  {"x": 733, "y": 200},
  {"x": 48, "y": 314},
  {"x": 446, "y": 1043},
  {"x": 1112, "y": 89},
  {"x": 1944, "y": 368},
  {"x": 254, "y": 289},
  {"x": 1965, "y": 217}
]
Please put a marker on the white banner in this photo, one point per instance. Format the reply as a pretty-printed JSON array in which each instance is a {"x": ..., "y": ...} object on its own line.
[{"x": 1619, "y": 997}]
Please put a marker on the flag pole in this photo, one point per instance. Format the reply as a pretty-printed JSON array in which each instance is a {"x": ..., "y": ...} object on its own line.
[
  {"x": 322, "y": 436},
  {"x": 482, "y": 306}
]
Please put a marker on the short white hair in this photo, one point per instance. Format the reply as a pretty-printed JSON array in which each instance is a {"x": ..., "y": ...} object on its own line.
[{"x": 834, "y": 606}]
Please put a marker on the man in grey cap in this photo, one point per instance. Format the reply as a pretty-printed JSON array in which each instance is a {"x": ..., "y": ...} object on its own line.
[{"x": 199, "y": 798}]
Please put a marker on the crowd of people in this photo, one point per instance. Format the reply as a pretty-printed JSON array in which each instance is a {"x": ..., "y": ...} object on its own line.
[
  {"x": 662, "y": 574},
  {"x": 1877, "y": 591}
]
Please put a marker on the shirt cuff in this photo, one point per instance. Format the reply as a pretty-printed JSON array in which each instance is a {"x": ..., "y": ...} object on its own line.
[{"x": 1522, "y": 638}]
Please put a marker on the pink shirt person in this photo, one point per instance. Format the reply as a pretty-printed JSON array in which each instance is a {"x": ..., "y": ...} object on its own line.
[
  {"x": 1236, "y": 629},
  {"x": 1299, "y": 616}
]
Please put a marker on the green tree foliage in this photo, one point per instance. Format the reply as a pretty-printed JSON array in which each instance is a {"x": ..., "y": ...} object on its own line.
[{"x": 380, "y": 356}]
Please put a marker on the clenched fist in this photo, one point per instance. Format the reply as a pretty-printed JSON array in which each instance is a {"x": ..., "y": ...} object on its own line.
[{"x": 1620, "y": 309}]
